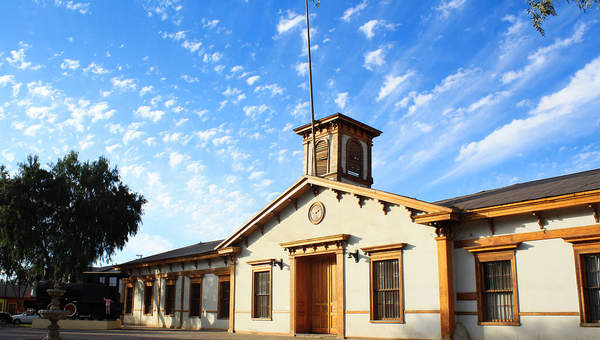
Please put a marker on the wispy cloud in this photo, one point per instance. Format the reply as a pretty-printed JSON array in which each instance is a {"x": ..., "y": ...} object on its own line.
[{"x": 352, "y": 11}]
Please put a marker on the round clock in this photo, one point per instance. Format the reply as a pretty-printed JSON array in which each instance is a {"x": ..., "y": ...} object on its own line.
[{"x": 316, "y": 212}]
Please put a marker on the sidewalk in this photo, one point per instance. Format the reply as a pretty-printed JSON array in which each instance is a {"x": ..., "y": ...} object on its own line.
[{"x": 138, "y": 333}]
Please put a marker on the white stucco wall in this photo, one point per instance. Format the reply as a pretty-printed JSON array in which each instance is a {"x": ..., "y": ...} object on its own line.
[
  {"x": 369, "y": 226},
  {"x": 546, "y": 279}
]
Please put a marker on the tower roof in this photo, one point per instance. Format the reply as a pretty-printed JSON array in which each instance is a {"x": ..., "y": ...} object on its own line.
[{"x": 337, "y": 118}]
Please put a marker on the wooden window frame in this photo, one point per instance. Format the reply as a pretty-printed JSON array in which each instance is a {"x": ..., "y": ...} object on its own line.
[
  {"x": 261, "y": 266},
  {"x": 326, "y": 142},
  {"x": 148, "y": 284},
  {"x": 193, "y": 281},
  {"x": 222, "y": 278},
  {"x": 169, "y": 283},
  {"x": 383, "y": 253},
  {"x": 581, "y": 247},
  {"x": 494, "y": 254},
  {"x": 362, "y": 157},
  {"x": 129, "y": 299}
]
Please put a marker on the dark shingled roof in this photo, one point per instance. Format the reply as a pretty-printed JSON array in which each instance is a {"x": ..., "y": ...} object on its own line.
[
  {"x": 193, "y": 250},
  {"x": 554, "y": 186}
]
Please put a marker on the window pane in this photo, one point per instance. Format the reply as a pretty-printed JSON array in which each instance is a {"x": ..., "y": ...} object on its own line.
[
  {"x": 262, "y": 294},
  {"x": 224, "y": 299},
  {"x": 148, "y": 299},
  {"x": 170, "y": 300},
  {"x": 129, "y": 301},
  {"x": 386, "y": 282},
  {"x": 196, "y": 299},
  {"x": 498, "y": 291},
  {"x": 591, "y": 288}
]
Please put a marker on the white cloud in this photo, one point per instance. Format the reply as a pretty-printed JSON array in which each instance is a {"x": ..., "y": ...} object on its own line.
[
  {"x": 42, "y": 90},
  {"x": 252, "y": 80},
  {"x": 95, "y": 69},
  {"x": 17, "y": 59},
  {"x": 123, "y": 84},
  {"x": 38, "y": 112},
  {"x": 191, "y": 45},
  {"x": 147, "y": 113},
  {"x": 348, "y": 13},
  {"x": 302, "y": 69},
  {"x": 391, "y": 84},
  {"x": 541, "y": 56},
  {"x": 210, "y": 24},
  {"x": 81, "y": 7},
  {"x": 447, "y": 6},
  {"x": 213, "y": 58},
  {"x": 341, "y": 99},
  {"x": 368, "y": 28},
  {"x": 255, "y": 110},
  {"x": 99, "y": 112},
  {"x": 169, "y": 103},
  {"x": 175, "y": 158},
  {"x": 231, "y": 91},
  {"x": 145, "y": 89},
  {"x": 223, "y": 140},
  {"x": 374, "y": 58},
  {"x": 273, "y": 88},
  {"x": 70, "y": 64},
  {"x": 32, "y": 130},
  {"x": 86, "y": 142},
  {"x": 237, "y": 68},
  {"x": 546, "y": 121},
  {"x": 287, "y": 24},
  {"x": 189, "y": 79},
  {"x": 301, "y": 110},
  {"x": 9, "y": 156},
  {"x": 7, "y": 79}
]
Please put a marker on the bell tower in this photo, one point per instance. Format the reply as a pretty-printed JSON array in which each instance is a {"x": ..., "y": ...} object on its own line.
[{"x": 343, "y": 148}]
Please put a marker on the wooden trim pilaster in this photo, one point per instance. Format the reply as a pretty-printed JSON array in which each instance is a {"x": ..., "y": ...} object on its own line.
[
  {"x": 292, "y": 295},
  {"x": 231, "y": 328},
  {"x": 446, "y": 285},
  {"x": 339, "y": 292}
]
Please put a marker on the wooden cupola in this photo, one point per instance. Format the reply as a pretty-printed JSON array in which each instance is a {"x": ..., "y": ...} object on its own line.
[{"x": 343, "y": 149}]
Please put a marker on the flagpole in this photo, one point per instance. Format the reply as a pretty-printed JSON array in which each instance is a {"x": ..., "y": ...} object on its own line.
[{"x": 312, "y": 107}]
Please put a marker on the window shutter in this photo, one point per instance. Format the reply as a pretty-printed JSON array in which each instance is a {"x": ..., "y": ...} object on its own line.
[
  {"x": 322, "y": 157},
  {"x": 354, "y": 158}
]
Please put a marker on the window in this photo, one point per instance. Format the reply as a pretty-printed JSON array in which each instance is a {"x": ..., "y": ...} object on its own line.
[
  {"x": 354, "y": 158},
  {"x": 223, "y": 304},
  {"x": 322, "y": 157},
  {"x": 587, "y": 266},
  {"x": 170, "y": 298},
  {"x": 195, "y": 297},
  {"x": 261, "y": 291},
  {"x": 385, "y": 267},
  {"x": 496, "y": 281},
  {"x": 148, "y": 288},
  {"x": 129, "y": 299}
]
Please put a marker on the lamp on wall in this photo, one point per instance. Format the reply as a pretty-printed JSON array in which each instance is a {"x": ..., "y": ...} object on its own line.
[
  {"x": 279, "y": 263},
  {"x": 353, "y": 255}
]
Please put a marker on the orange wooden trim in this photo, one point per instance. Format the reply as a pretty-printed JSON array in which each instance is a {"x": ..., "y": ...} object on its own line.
[
  {"x": 315, "y": 241},
  {"x": 229, "y": 251},
  {"x": 232, "y": 278},
  {"x": 581, "y": 239},
  {"x": 340, "y": 289},
  {"x": 357, "y": 312},
  {"x": 549, "y": 313},
  {"x": 478, "y": 249},
  {"x": 394, "y": 255},
  {"x": 387, "y": 247},
  {"x": 422, "y": 311},
  {"x": 465, "y": 313},
  {"x": 242, "y": 311},
  {"x": 466, "y": 296},
  {"x": 585, "y": 324},
  {"x": 293, "y": 269},
  {"x": 259, "y": 262},
  {"x": 261, "y": 269},
  {"x": 446, "y": 286},
  {"x": 584, "y": 231},
  {"x": 436, "y": 217}
]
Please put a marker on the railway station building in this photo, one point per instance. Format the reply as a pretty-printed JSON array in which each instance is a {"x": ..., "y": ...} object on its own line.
[{"x": 333, "y": 255}]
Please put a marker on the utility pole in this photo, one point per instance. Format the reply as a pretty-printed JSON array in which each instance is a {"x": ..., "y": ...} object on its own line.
[{"x": 312, "y": 107}]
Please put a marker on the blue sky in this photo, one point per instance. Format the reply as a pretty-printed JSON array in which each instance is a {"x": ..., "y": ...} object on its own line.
[{"x": 195, "y": 101}]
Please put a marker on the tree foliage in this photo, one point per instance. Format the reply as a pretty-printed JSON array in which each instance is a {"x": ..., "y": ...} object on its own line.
[
  {"x": 540, "y": 9},
  {"x": 57, "y": 222}
]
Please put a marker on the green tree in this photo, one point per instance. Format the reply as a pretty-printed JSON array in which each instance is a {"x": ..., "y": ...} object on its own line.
[
  {"x": 540, "y": 9},
  {"x": 55, "y": 223}
]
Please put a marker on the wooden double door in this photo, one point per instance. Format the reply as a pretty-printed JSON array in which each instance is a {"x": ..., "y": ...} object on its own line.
[{"x": 315, "y": 294}]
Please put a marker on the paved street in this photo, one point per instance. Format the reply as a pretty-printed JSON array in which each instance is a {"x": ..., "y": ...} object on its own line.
[{"x": 131, "y": 333}]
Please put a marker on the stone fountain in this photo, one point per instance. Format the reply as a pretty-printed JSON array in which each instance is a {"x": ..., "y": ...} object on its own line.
[{"x": 54, "y": 314}]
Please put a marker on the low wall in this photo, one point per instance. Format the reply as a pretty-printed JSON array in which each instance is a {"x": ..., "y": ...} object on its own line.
[{"x": 79, "y": 324}]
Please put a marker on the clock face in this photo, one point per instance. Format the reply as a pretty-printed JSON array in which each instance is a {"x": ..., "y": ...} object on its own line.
[{"x": 316, "y": 212}]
